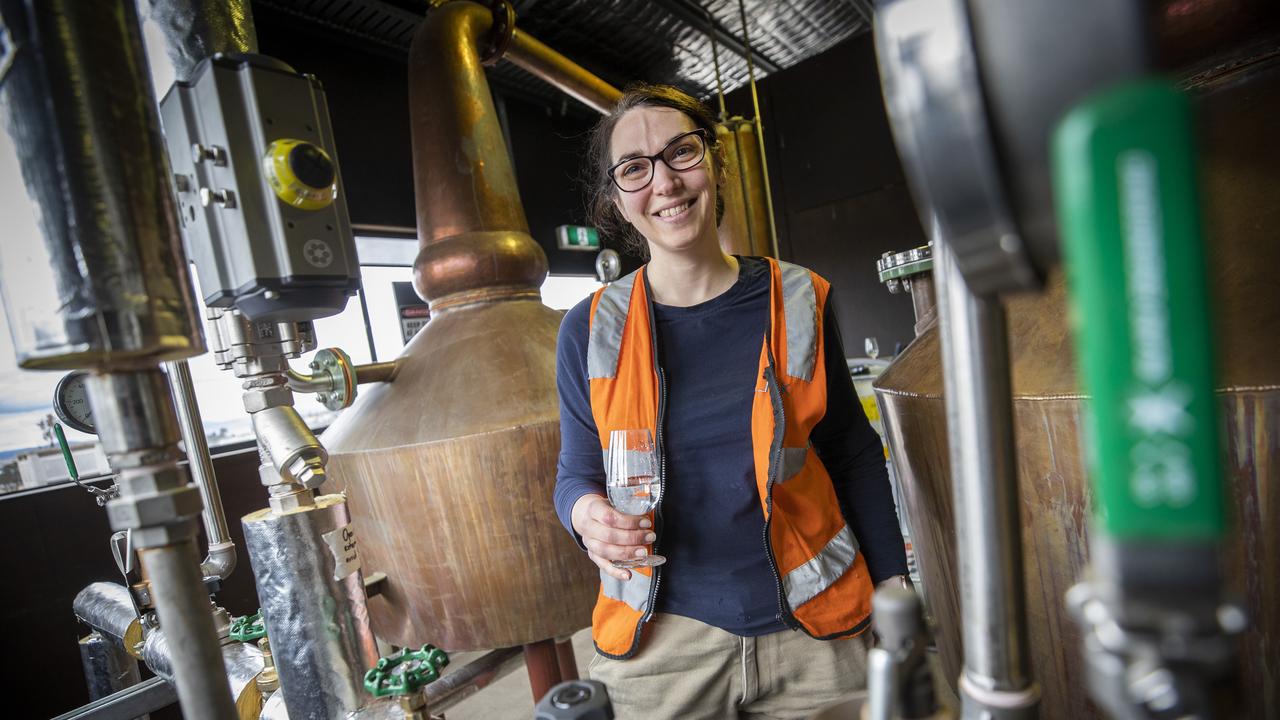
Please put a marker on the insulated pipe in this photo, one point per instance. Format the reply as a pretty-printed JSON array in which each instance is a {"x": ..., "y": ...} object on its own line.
[
  {"x": 197, "y": 29},
  {"x": 107, "y": 667},
  {"x": 996, "y": 681},
  {"x": 530, "y": 55},
  {"x": 221, "y": 559},
  {"x": 108, "y": 609}
]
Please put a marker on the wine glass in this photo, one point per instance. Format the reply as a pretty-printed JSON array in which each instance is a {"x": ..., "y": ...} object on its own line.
[{"x": 633, "y": 482}]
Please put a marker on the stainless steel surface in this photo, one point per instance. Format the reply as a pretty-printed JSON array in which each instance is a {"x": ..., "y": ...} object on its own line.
[
  {"x": 128, "y": 704},
  {"x": 310, "y": 584},
  {"x": 881, "y": 682},
  {"x": 107, "y": 667},
  {"x": 988, "y": 542},
  {"x": 183, "y": 607},
  {"x": 196, "y": 29},
  {"x": 221, "y": 558},
  {"x": 933, "y": 94},
  {"x": 87, "y": 135},
  {"x": 292, "y": 448}
]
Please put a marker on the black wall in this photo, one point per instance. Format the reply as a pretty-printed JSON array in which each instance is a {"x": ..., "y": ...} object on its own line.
[{"x": 839, "y": 196}]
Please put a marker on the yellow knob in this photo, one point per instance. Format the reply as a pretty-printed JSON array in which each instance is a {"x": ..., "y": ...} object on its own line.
[{"x": 301, "y": 174}]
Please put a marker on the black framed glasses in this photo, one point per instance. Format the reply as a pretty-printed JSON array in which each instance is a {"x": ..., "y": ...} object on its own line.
[{"x": 684, "y": 152}]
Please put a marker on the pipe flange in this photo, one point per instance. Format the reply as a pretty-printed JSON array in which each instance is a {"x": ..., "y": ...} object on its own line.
[
  {"x": 504, "y": 29},
  {"x": 336, "y": 365},
  {"x": 893, "y": 268}
]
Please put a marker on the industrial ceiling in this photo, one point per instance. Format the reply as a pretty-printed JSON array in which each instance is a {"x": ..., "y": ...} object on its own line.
[{"x": 666, "y": 41}]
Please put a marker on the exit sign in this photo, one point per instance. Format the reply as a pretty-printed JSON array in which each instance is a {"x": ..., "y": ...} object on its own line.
[{"x": 576, "y": 237}]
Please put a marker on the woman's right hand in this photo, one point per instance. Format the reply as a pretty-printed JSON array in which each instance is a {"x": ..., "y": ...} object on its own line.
[{"x": 610, "y": 535}]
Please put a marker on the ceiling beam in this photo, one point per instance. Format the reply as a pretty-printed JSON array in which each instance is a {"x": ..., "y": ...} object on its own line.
[{"x": 689, "y": 12}]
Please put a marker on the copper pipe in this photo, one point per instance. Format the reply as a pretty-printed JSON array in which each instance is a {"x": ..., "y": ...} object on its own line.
[
  {"x": 471, "y": 225},
  {"x": 529, "y": 54}
]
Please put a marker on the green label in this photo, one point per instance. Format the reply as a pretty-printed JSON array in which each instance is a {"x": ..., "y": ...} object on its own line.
[
  {"x": 576, "y": 237},
  {"x": 1124, "y": 175}
]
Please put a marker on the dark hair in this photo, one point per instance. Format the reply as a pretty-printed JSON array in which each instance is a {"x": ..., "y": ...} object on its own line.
[{"x": 601, "y": 211}]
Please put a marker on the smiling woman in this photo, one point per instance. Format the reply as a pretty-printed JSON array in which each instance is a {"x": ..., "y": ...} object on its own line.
[{"x": 723, "y": 360}]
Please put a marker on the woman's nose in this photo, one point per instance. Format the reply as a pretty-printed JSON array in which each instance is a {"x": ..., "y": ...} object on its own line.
[{"x": 665, "y": 180}]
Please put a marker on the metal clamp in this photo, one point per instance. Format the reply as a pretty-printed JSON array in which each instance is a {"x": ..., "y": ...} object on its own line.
[{"x": 504, "y": 29}]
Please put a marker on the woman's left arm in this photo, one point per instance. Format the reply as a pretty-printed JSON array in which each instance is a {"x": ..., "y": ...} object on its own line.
[{"x": 853, "y": 455}]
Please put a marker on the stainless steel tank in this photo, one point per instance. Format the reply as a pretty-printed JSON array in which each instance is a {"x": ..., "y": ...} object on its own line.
[{"x": 1240, "y": 159}]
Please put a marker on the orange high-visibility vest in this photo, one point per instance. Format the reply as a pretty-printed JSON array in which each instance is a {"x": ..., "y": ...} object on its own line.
[{"x": 823, "y": 584}]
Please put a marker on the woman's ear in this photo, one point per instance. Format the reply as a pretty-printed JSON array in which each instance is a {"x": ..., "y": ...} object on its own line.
[{"x": 617, "y": 206}]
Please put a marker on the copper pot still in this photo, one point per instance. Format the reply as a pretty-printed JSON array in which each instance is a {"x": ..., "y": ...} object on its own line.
[
  {"x": 1241, "y": 195},
  {"x": 449, "y": 470}
]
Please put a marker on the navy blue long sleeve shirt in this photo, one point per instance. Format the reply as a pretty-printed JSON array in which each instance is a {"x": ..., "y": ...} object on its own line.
[{"x": 717, "y": 570}]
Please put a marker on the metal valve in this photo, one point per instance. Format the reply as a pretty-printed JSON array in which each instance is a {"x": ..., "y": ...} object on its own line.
[
  {"x": 404, "y": 675},
  {"x": 248, "y": 628}
]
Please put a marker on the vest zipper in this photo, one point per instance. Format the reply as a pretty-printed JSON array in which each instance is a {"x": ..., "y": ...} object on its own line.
[
  {"x": 660, "y": 448},
  {"x": 775, "y": 466}
]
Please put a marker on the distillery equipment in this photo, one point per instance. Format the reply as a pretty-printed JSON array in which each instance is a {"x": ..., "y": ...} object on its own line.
[{"x": 988, "y": 203}]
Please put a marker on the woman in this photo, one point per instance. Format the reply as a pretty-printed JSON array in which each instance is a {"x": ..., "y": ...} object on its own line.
[{"x": 776, "y": 517}]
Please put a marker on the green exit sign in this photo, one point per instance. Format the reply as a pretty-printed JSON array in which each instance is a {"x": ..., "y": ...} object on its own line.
[{"x": 576, "y": 237}]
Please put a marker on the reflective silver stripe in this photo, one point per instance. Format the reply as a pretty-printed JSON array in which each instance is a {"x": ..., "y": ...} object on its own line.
[
  {"x": 805, "y": 582},
  {"x": 633, "y": 592},
  {"x": 605, "y": 341},
  {"x": 793, "y": 461},
  {"x": 800, "y": 306}
]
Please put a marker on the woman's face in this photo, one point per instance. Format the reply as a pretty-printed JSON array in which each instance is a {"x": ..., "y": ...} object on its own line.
[{"x": 676, "y": 210}]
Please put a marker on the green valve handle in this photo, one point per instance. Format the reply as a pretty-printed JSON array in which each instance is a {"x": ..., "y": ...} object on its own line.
[
  {"x": 1128, "y": 209},
  {"x": 248, "y": 628},
  {"x": 66, "y": 453},
  {"x": 405, "y": 672}
]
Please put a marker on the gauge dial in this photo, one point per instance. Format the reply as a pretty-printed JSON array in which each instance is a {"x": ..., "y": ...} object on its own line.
[{"x": 71, "y": 402}]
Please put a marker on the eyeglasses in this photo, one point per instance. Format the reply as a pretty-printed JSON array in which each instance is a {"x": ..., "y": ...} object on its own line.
[{"x": 684, "y": 152}]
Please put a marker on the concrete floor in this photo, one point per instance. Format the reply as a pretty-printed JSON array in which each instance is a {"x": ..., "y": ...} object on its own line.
[{"x": 509, "y": 697}]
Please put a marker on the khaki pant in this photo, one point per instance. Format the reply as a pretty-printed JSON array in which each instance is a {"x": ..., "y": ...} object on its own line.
[{"x": 687, "y": 670}]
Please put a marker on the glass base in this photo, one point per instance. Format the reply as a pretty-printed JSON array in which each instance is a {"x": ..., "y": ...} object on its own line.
[{"x": 646, "y": 561}]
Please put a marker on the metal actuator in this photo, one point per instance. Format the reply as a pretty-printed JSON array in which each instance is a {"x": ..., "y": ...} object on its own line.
[{"x": 256, "y": 176}]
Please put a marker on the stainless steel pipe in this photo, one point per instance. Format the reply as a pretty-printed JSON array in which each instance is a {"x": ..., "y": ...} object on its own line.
[
  {"x": 221, "y": 558},
  {"x": 996, "y": 681},
  {"x": 185, "y": 614},
  {"x": 138, "y": 429}
]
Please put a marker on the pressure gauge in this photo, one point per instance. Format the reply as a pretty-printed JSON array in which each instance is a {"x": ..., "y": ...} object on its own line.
[{"x": 71, "y": 402}]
